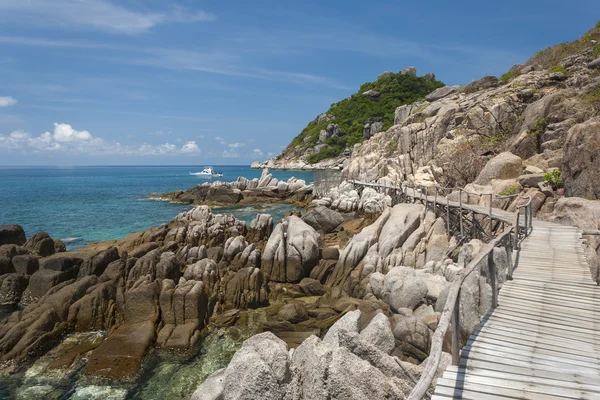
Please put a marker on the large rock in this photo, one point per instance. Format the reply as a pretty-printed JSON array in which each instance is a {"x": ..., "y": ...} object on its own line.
[
  {"x": 234, "y": 246},
  {"x": 403, "y": 221},
  {"x": 12, "y": 287},
  {"x": 323, "y": 219},
  {"x": 258, "y": 369},
  {"x": 12, "y": 234},
  {"x": 413, "y": 331},
  {"x": 580, "y": 171},
  {"x": 351, "y": 368},
  {"x": 62, "y": 263},
  {"x": 291, "y": 252},
  {"x": 261, "y": 227},
  {"x": 406, "y": 289},
  {"x": 212, "y": 388},
  {"x": 184, "y": 312},
  {"x": 483, "y": 83},
  {"x": 121, "y": 354},
  {"x": 96, "y": 264},
  {"x": 441, "y": 93},
  {"x": 44, "y": 279},
  {"x": 355, "y": 371},
  {"x": 293, "y": 312},
  {"x": 25, "y": 264},
  {"x": 379, "y": 333},
  {"x": 245, "y": 288},
  {"x": 349, "y": 322},
  {"x": 6, "y": 265},
  {"x": 504, "y": 166},
  {"x": 41, "y": 243}
]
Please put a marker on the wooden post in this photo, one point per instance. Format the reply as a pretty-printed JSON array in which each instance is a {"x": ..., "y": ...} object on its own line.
[
  {"x": 493, "y": 280},
  {"x": 435, "y": 201},
  {"x": 509, "y": 249},
  {"x": 456, "y": 331},
  {"x": 460, "y": 216},
  {"x": 526, "y": 221},
  {"x": 425, "y": 187},
  {"x": 516, "y": 227},
  {"x": 490, "y": 215},
  {"x": 448, "y": 214}
]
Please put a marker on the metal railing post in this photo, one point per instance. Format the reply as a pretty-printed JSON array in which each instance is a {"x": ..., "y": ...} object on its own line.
[{"x": 456, "y": 331}]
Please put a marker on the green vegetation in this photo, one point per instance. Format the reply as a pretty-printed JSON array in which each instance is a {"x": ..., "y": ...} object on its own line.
[
  {"x": 540, "y": 127},
  {"x": 559, "y": 68},
  {"x": 552, "y": 55},
  {"x": 593, "y": 100},
  {"x": 352, "y": 113},
  {"x": 508, "y": 76},
  {"x": 509, "y": 191},
  {"x": 554, "y": 178}
]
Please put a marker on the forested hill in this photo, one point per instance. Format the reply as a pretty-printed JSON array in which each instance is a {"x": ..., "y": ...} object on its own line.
[{"x": 366, "y": 112}]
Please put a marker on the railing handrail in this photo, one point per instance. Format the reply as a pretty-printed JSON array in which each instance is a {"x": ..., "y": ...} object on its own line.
[
  {"x": 437, "y": 339},
  {"x": 451, "y": 307}
]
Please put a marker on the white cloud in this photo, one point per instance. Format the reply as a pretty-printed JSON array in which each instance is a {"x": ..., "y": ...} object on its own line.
[
  {"x": 66, "y": 133},
  {"x": 230, "y": 154},
  {"x": 270, "y": 154},
  {"x": 190, "y": 147},
  {"x": 69, "y": 140},
  {"x": 236, "y": 145},
  {"x": 7, "y": 101},
  {"x": 257, "y": 152},
  {"x": 95, "y": 15},
  {"x": 150, "y": 150},
  {"x": 220, "y": 140}
]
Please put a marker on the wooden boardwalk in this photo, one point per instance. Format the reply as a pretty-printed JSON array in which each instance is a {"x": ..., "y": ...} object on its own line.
[{"x": 542, "y": 341}]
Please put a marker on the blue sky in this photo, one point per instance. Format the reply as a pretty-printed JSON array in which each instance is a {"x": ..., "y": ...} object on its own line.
[{"x": 99, "y": 82}]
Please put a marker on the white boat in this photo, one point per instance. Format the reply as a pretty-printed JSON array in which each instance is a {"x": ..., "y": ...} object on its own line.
[{"x": 208, "y": 172}]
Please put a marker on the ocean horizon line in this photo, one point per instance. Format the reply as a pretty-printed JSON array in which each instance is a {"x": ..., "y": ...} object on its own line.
[{"x": 122, "y": 165}]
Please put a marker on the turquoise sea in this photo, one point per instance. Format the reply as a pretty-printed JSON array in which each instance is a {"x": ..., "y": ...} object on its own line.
[{"x": 86, "y": 204}]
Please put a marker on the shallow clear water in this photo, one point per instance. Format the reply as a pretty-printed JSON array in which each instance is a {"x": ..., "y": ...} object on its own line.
[
  {"x": 86, "y": 204},
  {"x": 164, "y": 375}
]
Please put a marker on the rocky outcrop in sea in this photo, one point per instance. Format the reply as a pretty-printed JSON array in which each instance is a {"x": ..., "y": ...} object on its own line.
[{"x": 243, "y": 191}]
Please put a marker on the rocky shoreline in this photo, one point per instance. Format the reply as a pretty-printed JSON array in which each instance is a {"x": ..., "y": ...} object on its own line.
[
  {"x": 351, "y": 283},
  {"x": 265, "y": 189},
  {"x": 163, "y": 287}
]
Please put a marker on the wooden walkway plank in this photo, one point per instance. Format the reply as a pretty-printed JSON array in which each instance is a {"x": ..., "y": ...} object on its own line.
[{"x": 543, "y": 339}]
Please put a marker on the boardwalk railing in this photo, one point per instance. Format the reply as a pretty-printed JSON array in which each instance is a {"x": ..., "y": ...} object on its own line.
[
  {"x": 440, "y": 201},
  {"x": 519, "y": 227},
  {"x": 325, "y": 180}
]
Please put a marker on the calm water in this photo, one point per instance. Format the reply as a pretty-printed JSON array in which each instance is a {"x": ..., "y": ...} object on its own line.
[{"x": 85, "y": 204}]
